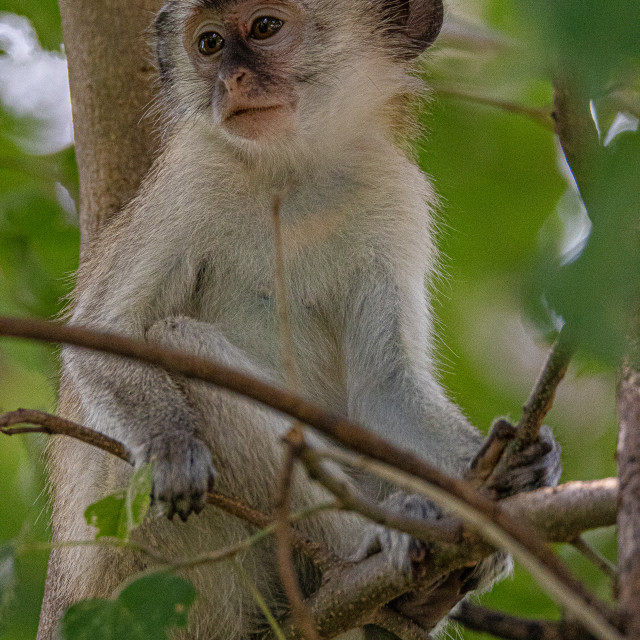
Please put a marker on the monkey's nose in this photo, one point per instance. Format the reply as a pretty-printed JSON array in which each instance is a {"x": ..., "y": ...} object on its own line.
[{"x": 233, "y": 80}]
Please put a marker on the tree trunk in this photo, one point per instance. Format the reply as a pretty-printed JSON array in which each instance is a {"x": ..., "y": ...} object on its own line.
[{"x": 111, "y": 75}]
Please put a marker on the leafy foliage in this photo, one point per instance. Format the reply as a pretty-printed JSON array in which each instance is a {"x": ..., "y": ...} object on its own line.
[
  {"x": 145, "y": 610},
  {"x": 118, "y": 514}
]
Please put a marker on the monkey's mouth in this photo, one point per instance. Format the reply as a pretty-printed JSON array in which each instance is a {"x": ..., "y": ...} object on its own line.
[
  {"x": 258, "y": 122},
  {"x": 242, "y": 111}
]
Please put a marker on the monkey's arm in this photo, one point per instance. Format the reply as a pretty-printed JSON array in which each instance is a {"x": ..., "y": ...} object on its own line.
[
  {"x": 391, "y": 384},
  {"x": 393, "y": 391},
  {"x": 140, "y": 405},
  {"x": 392, "y": 388}
]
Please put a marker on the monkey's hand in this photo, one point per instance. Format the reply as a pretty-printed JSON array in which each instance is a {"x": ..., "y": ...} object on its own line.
[
  {"x": 537, "y": 465},
  {"x": 182, "y": 473}
]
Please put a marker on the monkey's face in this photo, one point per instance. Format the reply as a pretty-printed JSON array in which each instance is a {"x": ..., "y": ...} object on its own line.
[
  {"x": 244, "y": 56},
  {"x": 315, "y": 72}
]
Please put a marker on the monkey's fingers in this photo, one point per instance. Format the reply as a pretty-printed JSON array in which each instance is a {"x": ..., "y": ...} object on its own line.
[
  {"x": 487, "y": 459},
  {"x": 538, "y": 465},
  {"x": 182, "y": 475}
]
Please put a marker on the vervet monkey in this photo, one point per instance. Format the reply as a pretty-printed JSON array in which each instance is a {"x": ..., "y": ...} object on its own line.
[{"x": 309, "y": 100}]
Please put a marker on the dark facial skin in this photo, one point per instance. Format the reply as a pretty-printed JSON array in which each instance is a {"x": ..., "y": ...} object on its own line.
[{"x": 243, "y": 52}]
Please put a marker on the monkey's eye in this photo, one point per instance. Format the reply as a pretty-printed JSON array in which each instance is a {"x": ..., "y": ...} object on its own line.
[
  {"x": 265, "y": 27},
  {"x": 210, "y": 43}
]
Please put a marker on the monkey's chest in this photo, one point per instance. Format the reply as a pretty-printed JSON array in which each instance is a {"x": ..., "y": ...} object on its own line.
[{"x": 244, "y": 302}]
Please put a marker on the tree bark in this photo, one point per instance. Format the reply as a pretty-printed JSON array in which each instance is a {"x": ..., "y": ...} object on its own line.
[
  {"x": 629, "y": 502},
  {"x": 111, "y": 76}
]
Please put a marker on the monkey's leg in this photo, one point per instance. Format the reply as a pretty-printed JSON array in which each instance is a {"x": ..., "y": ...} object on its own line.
[
  {"x": 245, "y": 443},
  {"x": 244, "y": 440}
]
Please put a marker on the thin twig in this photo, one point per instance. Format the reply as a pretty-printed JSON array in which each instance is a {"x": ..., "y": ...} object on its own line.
[
  {"x": 293, "y": 440},
  {"x": 299, "y": 610},
  {"x": 502, "y": 625},
  {"x": 540, "y": 116},
  {"x": 543, "y": 394},
  {"x": 282, "y": 306},
  {"x": 53, "y": 425},
  {"x": 552, "y": 574},
  {"x": 445, "y": 531},
  {"x": 260, "y": 601},
  {"x": 595, "y": 557},
  {"x": 164, "y": 563},
  {"x": 316, "y": 552},
  {"x": 243, "y": 545}
]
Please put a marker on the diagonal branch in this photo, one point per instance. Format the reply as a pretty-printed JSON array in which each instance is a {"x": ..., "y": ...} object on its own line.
[
  {"x": 496, "y": 522},
  {"x": 359, "y": 591},
  {"x": 543, "y": 394}
]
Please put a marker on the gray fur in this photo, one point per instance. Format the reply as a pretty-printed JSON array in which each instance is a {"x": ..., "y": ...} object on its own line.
[{"x": 190, "y": 263}]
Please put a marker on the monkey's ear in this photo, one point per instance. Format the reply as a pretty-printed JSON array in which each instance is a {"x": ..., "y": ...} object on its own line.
[
  {"x": 419, "y": 21},
  {"x": 165, "y": 28}
]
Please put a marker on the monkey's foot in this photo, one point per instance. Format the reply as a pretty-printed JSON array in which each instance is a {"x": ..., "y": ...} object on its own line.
[{"x": 182, "y": 473}]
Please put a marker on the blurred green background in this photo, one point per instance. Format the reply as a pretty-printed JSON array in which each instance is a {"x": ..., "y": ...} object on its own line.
[{"x": 511, "y": 233}]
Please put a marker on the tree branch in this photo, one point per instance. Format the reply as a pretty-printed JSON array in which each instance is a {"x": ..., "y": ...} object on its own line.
[
  {"x": 447, "y": 530},
  {"x": 504, "y": 626},
  {"x": 284, "y": 540},
  {"x": 540, "y": 116},
  {"x": 578, "y": 505},
  {"x": 496, "y": 522},
  {"x": 596, "y": 558},
  {"x": 543, "y": 394},
  {"x": 629, "y": 513}
]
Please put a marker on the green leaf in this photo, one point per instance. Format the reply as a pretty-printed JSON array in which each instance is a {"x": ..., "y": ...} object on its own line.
[
  {"x": 139, "y": 496},
  {"x": 109, "y": 516},
  {"x": 146, "y": 610},
  {"x": 116, "y": 515}
]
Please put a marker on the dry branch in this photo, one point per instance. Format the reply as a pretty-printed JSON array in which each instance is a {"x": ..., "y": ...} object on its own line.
[
  {"x": 293, "y": 440},
  {"x": 360, "y": 590},
  {"x": 448, "y": 530},
  {"x": 543, "y": 394},
  {"x": 596, "y": 558},
  {"x": 564, "y": 587},
  {"x": 284, "y": 542}
]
